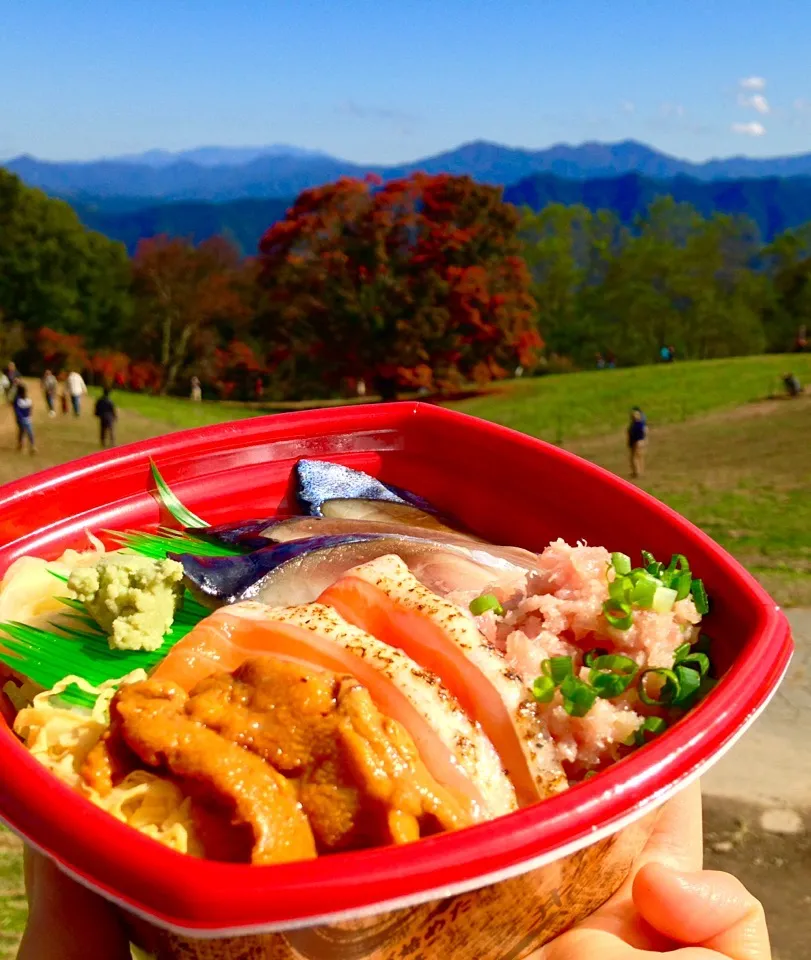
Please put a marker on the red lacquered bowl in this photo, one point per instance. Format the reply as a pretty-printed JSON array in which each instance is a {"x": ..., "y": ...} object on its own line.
[{"x": 496, "y": 890}]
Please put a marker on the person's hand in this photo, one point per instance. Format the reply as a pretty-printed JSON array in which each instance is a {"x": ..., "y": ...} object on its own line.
[
  {"x": 65, "y": 920},
  {"x": 669, "y": 906}
]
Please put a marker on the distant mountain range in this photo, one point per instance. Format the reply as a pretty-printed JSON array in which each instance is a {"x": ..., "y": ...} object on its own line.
[
  {"x": 241, "y": 221},
  {"x": 774, "y": 204},
  {"x": 214, "y": 156},
  {"x": 218, "y": 174}
]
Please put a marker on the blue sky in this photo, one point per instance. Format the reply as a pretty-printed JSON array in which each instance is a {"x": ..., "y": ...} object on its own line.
[{"x": 384, "y": 81}]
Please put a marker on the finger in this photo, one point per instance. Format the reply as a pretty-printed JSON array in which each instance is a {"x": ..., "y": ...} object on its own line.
[
  {"x": 66, "y": 921},
  {"x": 709, "y": 909},
  {"x": 677, "y": 839}
]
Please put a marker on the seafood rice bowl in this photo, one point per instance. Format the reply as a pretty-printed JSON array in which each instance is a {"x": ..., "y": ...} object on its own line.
[{"x": 339, "y": 668}]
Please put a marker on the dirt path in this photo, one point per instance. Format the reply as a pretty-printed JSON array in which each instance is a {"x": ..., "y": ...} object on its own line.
[
  {"x": 776, "y": 867},
  {"x": 771, "y": 764},
  {"x": 63, "y": 437},
  {"x": 758, "y": 805}
]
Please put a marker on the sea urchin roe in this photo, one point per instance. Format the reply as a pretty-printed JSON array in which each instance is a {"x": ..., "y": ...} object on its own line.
[
  {"x": 151, "y": 719},
  {"x": 300, "y": 756},
  {"x": 133, "y": 599},
  {"x": 360, "y": 778}
]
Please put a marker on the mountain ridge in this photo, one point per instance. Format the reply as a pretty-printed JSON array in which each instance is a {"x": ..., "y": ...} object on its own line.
[
  {"x": 774, "y": 204},
  {"x": 174, "y": 177}
]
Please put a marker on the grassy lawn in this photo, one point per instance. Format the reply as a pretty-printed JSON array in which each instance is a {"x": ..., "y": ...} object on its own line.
[
  {"x": 181, "y": 414},
  {"x": 566, "y": 407},
  {"x": 743, "y": 477},
  {"x": 558, "y": 408},
  {"x": 12, "y": 894}
]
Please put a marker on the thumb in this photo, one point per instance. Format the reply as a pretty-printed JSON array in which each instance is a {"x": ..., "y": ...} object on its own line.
[{"x": 705, "y": 908}]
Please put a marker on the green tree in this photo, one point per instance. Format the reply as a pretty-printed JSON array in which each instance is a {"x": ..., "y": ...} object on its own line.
[
  {"x": 569, "y": 252},
  {"x": 55, "y": 273},
  {"x": 787, "y": 266},
  {"x": 682, "y": 281}
]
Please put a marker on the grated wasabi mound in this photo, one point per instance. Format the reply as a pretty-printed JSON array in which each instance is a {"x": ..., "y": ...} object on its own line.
[{"x": 133, "y": 599}]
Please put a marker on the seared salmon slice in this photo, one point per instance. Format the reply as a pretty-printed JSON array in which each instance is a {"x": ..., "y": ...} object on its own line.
[{"x": 385, "y": 599}]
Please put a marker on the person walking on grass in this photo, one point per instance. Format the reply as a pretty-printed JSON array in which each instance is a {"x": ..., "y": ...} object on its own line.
[
  {"x": 22, "y": 413},
  {"x": 105, "y": 411},
  {"x": 76, "y": 388},
  {"x": 64, "y": 401},
  {"x": 792, "y": 385},
  {"x": 50, "y": 385},
  {"x": 637, "y": 439},
  {"x": 11, "y": 378}
]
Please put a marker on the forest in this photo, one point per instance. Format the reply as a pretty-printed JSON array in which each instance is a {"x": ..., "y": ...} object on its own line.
[{"x": 428, "y": 281}]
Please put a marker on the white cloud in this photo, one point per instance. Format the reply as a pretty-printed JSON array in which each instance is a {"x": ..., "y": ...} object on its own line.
[
  {"x": 752, "y": 83},
  {"x": 628, "y": 106},
  {"x": 672, "y": 110},
  {"x": 756, "y": 102},
  {"x": 751, "y": 129},
  {"x": 802, "y": 106}
]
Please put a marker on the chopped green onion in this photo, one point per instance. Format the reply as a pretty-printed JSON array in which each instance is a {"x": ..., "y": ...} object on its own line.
[
  {"x": 670, "y": 688},
  {"x": 700, "y": 596},
  {"x": 589, "y": 774},
  {"x": 663, "y": 600},
  {"x": 578, "y": 696},
  {"x": 615, "y": 662},
  {"x": 697, "y": 661},
  {"x": 621, "y": 563},
  {"x": 681, "y": 652},
  {"x": 689, "y": 682},
  {"x": 609, "y": 685},
  {"x": 487, "y": 601},
  {"x": 543, "y": 689},
  {"x": 611, "y": 675},
  {"x": 558, "y": 668},
  {"x": 677, "y": 566},
  {"x": 592, "y": 654},
  {"x": 682, "y": 584},
  {"x": 618, "y": 614},
  {"x": 705, "y": 686},
  {"x": 620, "y": 589},
  {"x": 645, "y": 588},
  {"x": 652, "y": 725},
  {"x": 651, "y": 564}
]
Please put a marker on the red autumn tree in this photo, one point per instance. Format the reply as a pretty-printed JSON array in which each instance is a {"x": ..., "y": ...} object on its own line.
[
  {"x": 111, "y": 368},
  {"x": 420, "y": 279},
  {"x": 145, "y": 376},
  {"x": 61, "y": 350},
  {"x": 185, "y": 295}
]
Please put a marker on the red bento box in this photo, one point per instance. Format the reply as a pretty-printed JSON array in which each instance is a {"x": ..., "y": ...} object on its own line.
[{"x": 494, "y": 890}]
